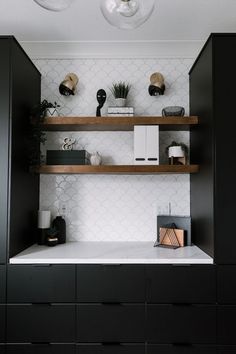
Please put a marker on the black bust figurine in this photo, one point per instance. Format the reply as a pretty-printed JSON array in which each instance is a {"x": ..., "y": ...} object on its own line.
[{"x": 101, "y": 98}]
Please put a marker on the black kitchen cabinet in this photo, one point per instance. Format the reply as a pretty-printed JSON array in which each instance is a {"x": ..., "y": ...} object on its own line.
[
  {"x": 111, "y": 323},
  {"x": 213, "y": 191},
  {"x": 226, "y": 284},
  {"x": 19, "y": 190},
  {"x": 2, "y": 323},
  {"x": 181, "y": 324},
  {"x": 180, "y": 349},
  {"x": 41, "y": 284},
  {"x": 110, "y": 348},
  {"x": 181, "y": 284},
  {"x": 41, "y": 323},
  {"x": 108, "y": 283},
  {"x": 227, "y": 349},
  {"x": 40, "y": 349},
  {"x": 226, "y": 325},
  {"x": 2, "y": 284}
]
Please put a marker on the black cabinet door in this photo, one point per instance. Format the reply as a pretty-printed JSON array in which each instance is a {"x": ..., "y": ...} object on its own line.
[
  {"x": 181, "y": 324},
  {"x": 40, "y": 349},
  {"x": 110, "y": 349},
  {"x": 227, "y": 349},
  {"x": 180, "y": 349},
  {"x": 4, "y": 138},
  {"x": 108, "y": 283},
  {"x": 226, "y": 284},
  {"x": 33, "y": 284},
  {"x": 2, "y": 283},
  {"x": 2, "y": 349},
  {"x": 110, "y": 323},
  {"x": 40, "y": 323},
  {"x": 226, "y": 325},
  {"x": 2, "y": 323},
  {"x": 181, "y": 284}
]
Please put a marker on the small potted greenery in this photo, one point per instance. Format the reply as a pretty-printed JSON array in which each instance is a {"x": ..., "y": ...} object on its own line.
[
  {"x": 177, "y": 153},
  {"x": 120, "y": 91},
  {"x": 51, "y": 109}
]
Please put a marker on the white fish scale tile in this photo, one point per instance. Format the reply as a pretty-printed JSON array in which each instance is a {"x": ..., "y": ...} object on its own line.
[{"x": 107, "y": 207}]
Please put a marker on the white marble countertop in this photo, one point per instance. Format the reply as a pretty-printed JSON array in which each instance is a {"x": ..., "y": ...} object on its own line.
[{"x": 110, "y": 253}]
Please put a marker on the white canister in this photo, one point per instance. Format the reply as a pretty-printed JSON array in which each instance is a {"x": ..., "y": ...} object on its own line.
[
  {"x": 44, "y": 219},
  {"x": 176, "y": 151}
]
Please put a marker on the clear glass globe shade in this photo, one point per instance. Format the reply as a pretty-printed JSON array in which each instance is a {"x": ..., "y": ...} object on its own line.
[
  {"x": 54, "y": 5},
  {"x": 127, "y": 14}
]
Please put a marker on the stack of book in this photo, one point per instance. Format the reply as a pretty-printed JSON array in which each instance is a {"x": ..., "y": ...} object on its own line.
[{"x": 120, "y": 111}]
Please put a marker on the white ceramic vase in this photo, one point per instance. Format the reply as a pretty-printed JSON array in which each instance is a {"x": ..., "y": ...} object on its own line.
[{"x": 95, "y": 159}]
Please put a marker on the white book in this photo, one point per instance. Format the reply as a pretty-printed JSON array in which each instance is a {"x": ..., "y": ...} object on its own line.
[
  {"x": 140, "y": 145},
  {"x": 152, "y": 144},
  {"x": 120, "y": 110}
]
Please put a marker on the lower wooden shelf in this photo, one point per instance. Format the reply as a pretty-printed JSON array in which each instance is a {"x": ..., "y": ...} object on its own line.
[{"x": 116, "y": 169}]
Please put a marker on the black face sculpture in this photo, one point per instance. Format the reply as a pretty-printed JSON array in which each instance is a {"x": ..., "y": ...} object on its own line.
[{"x": 101, "y": 98}]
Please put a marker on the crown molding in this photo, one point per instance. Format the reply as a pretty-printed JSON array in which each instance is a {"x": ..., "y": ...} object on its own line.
[{"x": 112, "y": 49}]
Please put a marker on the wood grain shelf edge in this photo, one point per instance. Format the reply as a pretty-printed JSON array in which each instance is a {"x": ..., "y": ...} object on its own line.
[{"x": 116, "y": 169}]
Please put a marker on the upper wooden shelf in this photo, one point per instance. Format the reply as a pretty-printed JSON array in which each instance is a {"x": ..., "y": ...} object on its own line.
[
  {"x": 117, "y": 169},
  {"x": 116, "y": 123}
]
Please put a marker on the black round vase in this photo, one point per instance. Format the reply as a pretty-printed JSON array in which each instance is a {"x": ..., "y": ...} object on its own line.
[{"x": 60, "y": 225}]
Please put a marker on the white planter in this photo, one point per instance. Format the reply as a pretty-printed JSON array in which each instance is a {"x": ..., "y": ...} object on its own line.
[
  {"x": 120, "y": 102},
  {"x": 176, "y": 151},
  {"x": 51, "y": 112}
]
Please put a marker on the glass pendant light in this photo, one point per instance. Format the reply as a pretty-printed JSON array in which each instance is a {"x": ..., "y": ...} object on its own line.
[
  {"x": 127, "y": 14},
  {"x": 54, "y": 5}
]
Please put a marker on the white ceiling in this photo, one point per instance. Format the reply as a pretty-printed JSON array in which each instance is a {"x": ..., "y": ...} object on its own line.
[{"x": 172, "y": 20}]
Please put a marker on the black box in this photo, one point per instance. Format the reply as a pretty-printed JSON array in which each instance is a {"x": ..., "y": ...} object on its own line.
[{"x": 65, "y": 157}]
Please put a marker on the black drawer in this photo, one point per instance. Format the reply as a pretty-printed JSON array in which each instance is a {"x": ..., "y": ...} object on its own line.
[
  {"x": 2, "y": 323},
  {"x": 111, "y": 349},
  {"x": 111, "y": 323},
  {"x": 181, "y": 349},
  {"x": 226, "y": 325},
  {"x": 40, "y": 323},
  {"x": 108, "y": 283},
  {"x": 2, "y": 283},
  {"x": 40, "y": 349},
  {"x": 181, "y": 324},
  {"x": 32, "y": 284},
  {"x": 226, "y": 291},
  {"x": 226, "y": 349},
  {"x": 181, "y": 284}
]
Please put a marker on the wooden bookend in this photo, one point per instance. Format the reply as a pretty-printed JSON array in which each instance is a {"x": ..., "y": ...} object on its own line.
[{"x": 172, "y": 237}]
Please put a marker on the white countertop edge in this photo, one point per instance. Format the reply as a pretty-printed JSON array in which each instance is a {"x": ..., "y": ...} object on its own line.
[
  {"x": 110, "y": 253},
  {"x": 111, "y": 261}
]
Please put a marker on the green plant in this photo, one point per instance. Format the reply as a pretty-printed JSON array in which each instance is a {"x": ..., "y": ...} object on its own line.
[
  {"x": 120, "y": 90},
  {"x": 174, "y": 143}
]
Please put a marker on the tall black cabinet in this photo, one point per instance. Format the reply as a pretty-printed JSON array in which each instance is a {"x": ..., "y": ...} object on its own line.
[
  {"x": 213, "y": 144},
  {"x": 19, "y": 92},
  {"x": 19, "y": 196},
  {"x": 213, "y": 190}
]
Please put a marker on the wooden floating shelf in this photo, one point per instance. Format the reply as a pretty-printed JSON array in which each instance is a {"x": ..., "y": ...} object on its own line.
[
  {"x": 117, "y": 169},
  {"x": 116, "y": 123}
]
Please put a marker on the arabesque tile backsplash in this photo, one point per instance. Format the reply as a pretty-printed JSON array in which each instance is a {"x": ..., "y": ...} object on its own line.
[{"x": 107, "y": 207}]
